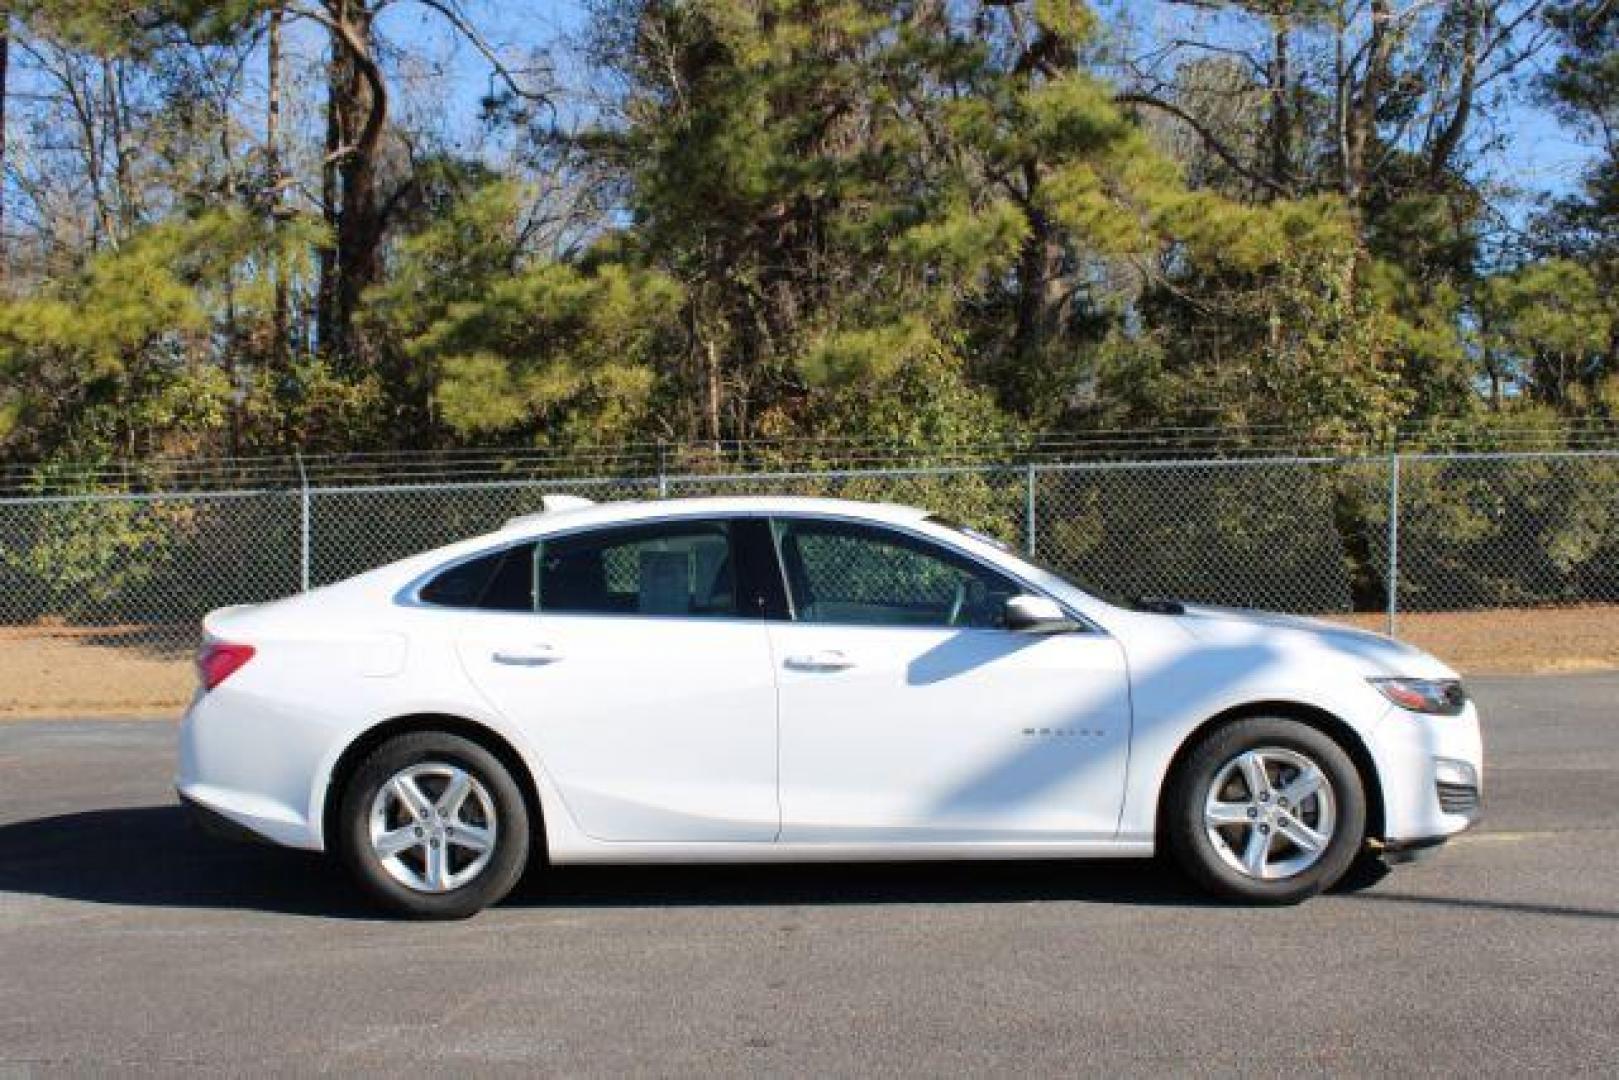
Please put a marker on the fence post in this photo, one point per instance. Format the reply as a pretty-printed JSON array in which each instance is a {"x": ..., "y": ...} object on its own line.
[
  {"x": 1028, "y": 512},
  {"x": 303, "y": 523},
  {"x": 1392, "y": 583},
  {"x": 663, "y": 473}
]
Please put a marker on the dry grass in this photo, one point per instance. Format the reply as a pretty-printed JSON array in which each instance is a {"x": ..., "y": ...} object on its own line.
[
  {"x": 123, "y": 671},
  {"x": 1531, "y": 641},
  {"x": 91, "y": 671}
]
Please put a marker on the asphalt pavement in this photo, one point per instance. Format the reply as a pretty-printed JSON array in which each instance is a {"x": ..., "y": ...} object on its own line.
[{"x": 129, "y": 943}]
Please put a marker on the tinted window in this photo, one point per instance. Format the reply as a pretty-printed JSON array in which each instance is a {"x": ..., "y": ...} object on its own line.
[
  {"x": 859, "y": 574},
  {"x": 500, "y": 581},
  {"x": 677, "y": 569}
]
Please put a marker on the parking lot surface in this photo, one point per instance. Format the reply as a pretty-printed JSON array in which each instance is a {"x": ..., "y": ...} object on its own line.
[{"x": 129, "y": 942}]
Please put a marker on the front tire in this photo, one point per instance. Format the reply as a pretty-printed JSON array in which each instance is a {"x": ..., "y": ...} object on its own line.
[
  {"x": 432, "y": 826},
  {"x": 1267, "y": 811}
]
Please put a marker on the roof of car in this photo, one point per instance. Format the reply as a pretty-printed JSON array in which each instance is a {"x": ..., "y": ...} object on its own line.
[{"x": 610, "y": 512}]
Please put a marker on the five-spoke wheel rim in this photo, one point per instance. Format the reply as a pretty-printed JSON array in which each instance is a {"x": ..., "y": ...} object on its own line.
[
  {"x": 433, "y": 827},
  {"x": 1270, "y": 813}
]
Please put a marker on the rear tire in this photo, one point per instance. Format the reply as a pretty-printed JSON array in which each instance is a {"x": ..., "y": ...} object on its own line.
[
  {"x": 1265, "y": 810},
  {"x": 432, "y": 826}
]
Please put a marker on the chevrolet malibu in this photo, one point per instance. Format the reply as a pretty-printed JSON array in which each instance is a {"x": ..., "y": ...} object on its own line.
[{"x": 795, "y": 680}]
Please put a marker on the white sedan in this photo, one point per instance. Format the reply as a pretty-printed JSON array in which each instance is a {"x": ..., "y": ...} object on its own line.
[{"x": 778, "y": 679}]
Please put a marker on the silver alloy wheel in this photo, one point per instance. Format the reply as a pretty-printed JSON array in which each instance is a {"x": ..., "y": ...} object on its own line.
[
  {"x": 1270, "y": 813},
  {"x": 433, "y": 827}
]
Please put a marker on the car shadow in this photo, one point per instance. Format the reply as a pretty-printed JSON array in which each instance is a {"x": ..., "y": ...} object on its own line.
[{"x": 154, "y": 856}]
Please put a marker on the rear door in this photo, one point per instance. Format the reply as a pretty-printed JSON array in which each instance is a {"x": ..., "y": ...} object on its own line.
[{"x": 642, "y": 675}]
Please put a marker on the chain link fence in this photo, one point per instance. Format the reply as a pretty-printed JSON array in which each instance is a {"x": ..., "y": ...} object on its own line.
[{"x": 1316, "y": 535}]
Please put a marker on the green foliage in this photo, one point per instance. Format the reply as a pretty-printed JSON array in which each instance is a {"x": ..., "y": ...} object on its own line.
[
  {"x": 1285, "y": 331},
  {"x": 925, "y": 404},
  {"x": 1508, "y": 533},
  {"x": 1263, "y": 535},
  {"x": 919, "y": 224},
  {"x": 1552, "y": 325},
  {"x": 122, "y": 355},
  {"x": 562, "y": 353},
  {"x": 79, "y": 557},
  {"x": 134, "y": 27}
]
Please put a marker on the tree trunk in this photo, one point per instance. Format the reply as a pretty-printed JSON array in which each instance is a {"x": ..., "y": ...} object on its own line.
[
  {"x": 1281, "y": 117},
  {"x": 281, "y": 347},
  {"x": 1038, "y": 293},
  {"x": 1031, "y": 281},
  {"x": 125, "y": 200},
  {"x": 1362, "y": 107},
  {"x": 326, "y": 289},
  {"x": 712, "y": 388},
  {"x": 356, "y": 112},
  {"x": 5, "y": 57},
  {"x": 1357, "y": 106},
  {"x": 1450, "y": 136},
  {"x": 362, "y": 112}
]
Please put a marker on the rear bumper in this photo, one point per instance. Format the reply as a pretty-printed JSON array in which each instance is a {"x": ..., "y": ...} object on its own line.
[
  {"x": 249, "y": 767},
  {"x": 217, "y": 825}
]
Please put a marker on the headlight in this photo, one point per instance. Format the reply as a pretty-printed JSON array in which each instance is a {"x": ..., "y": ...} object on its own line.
[{"x": 1437, "y": 697}]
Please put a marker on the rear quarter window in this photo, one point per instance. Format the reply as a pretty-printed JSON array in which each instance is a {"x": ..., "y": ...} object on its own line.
[{"x": 499, "y": 581}]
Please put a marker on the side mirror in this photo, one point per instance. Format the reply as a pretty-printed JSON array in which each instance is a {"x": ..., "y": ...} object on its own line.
[{"x": 1037, "y": 615}]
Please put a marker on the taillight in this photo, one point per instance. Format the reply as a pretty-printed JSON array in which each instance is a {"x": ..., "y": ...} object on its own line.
[{"x": 219, "y": 660}]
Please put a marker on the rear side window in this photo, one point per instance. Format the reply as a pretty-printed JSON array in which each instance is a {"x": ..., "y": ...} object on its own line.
[
  {"x": 673, "y": 569},
  {"x": 500, "y": 581}
]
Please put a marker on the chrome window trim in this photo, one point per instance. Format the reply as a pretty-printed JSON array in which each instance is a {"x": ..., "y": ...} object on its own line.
[{"x": 408, "y": 595}]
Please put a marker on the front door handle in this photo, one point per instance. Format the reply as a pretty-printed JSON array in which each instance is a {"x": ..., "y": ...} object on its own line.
[
  {"x": 825, "y": 660},
  {"x": 532, "y": 656}
]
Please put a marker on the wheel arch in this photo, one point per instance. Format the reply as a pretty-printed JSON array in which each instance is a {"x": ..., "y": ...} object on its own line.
[
  {"x": 1313, "y": 716},
  {"x": 371, "y": 738}
]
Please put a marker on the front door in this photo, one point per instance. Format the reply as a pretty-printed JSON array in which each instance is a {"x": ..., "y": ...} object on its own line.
[
  {"x": 647, "y": 692},
  {"x": 909, "y": 714}
]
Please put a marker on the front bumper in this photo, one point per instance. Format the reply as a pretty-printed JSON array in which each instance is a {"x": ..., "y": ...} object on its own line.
[{"x": 1431, "y": 769}]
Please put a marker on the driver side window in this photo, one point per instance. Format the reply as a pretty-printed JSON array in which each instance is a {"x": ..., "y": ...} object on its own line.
[{"x": 840, "y": 572}]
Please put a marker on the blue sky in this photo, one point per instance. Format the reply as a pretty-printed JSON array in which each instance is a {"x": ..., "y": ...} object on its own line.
[{"x": 1538, "y": 153}]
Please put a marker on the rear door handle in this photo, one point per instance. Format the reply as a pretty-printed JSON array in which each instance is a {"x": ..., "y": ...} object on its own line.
[
  {"x": 533, "y": 656},
  {"x": 825, "y": 660}
]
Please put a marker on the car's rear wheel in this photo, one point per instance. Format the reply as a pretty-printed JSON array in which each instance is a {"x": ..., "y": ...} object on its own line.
[
  {"x": 1266, "y": 810},
  {"x": 433, "y": 826}
]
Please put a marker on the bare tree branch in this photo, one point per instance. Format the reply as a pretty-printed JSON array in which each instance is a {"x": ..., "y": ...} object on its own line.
[
  {"x": 463, "y": 26},
  {"x": 1212, "y": 141}
]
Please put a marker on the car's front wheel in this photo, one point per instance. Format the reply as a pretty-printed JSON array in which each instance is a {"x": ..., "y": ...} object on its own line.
[
  {"x": 433, "y": 826},
  {"x": 1266, "y": 810}
]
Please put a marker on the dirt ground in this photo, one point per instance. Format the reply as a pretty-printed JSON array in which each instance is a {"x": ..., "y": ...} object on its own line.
[
  {"x": 92, "y": 672},
  {"x": 124, "y": 671},
  {"x": 1525, "y": 641}
]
